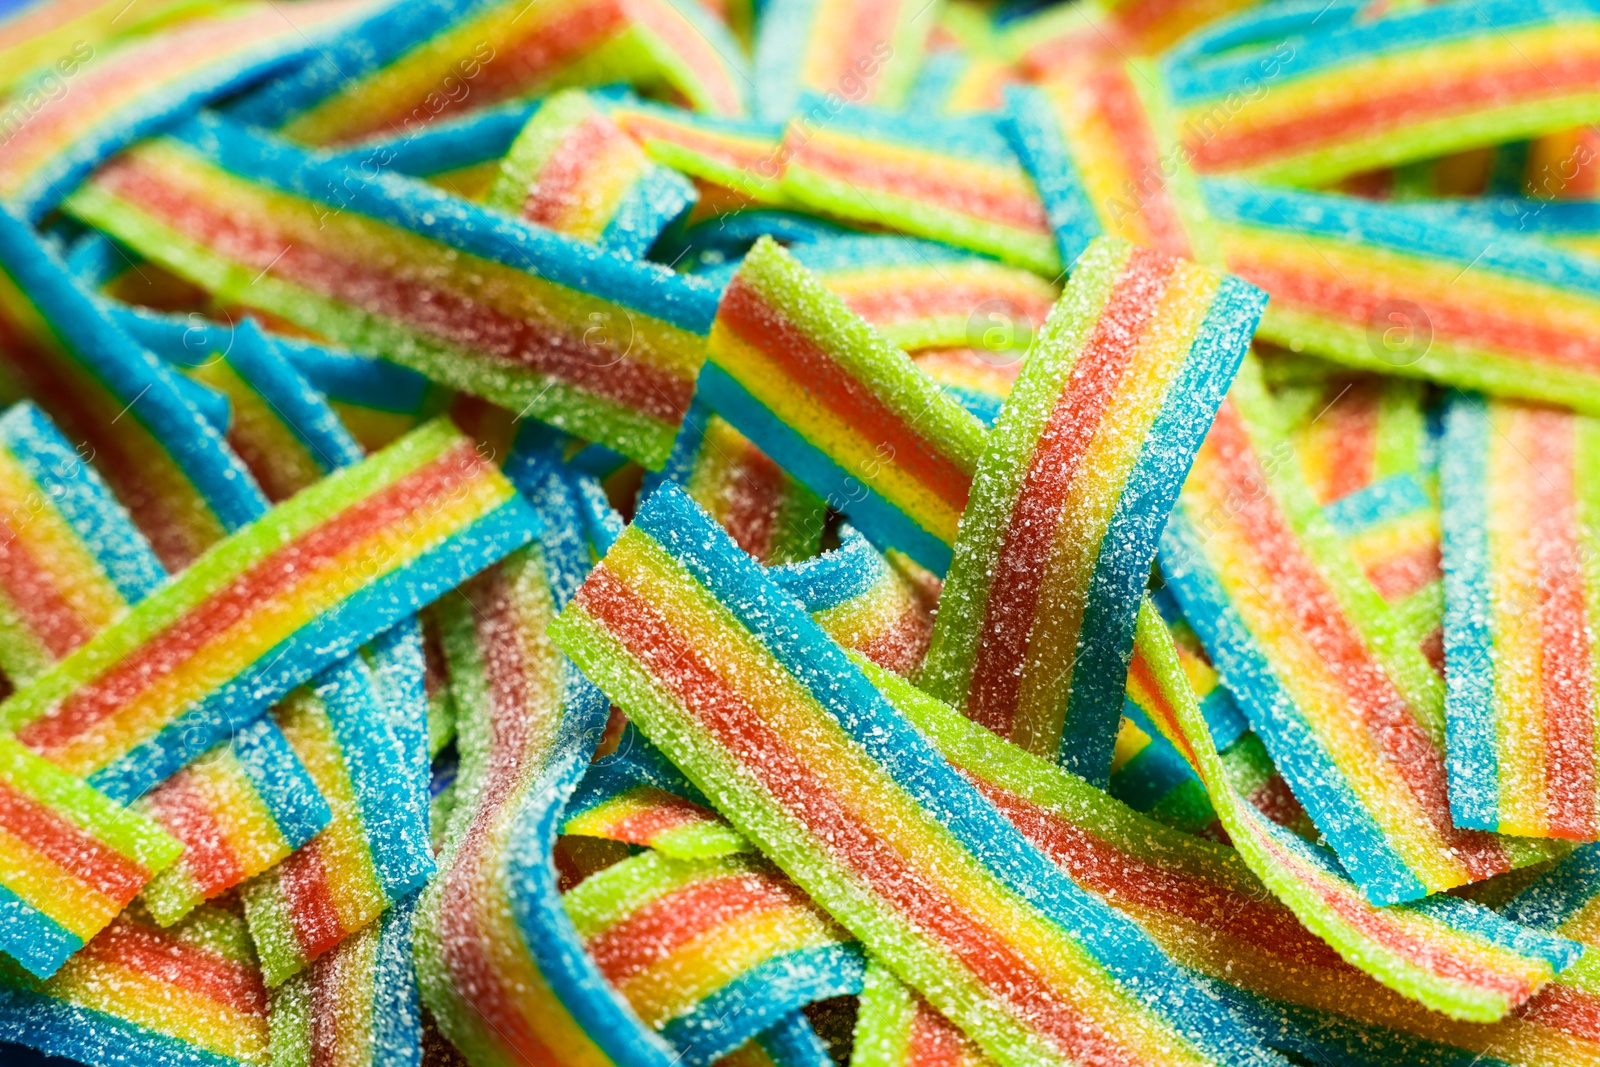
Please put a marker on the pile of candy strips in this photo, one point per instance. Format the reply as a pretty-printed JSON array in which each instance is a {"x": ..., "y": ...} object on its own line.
[{"x": 794, "y": 533}]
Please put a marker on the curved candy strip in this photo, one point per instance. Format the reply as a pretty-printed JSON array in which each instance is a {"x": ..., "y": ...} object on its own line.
[
  {"x": 1318, "y": 105},
  {"x": 918, "y": 294},
  {"x": 791, "y": 1043},
  {"x": 43, "y": 32},
  {"x": 500, "y": 966},
  {"x": 710, "y": 953},
  {"x": 1388, "y": 289},
  {"x": 357, "y": 1005},
  {"x": 269, "y": 607},
  {"x": 1351, "y": 713},
  {"x": 126, "y": 92},
  {"x": 70, "y": 859},
  {"x": 534, "y": 321},
  {"x": 950, "y": 180},
  {"x": 1101, "y": 147},
  {"x": 239, "y": 810},
  {"x": 1450, "y": 955},
  {"x": 187, "y": 996},
  {"x": 866, "y": 51},
  {"x": 406, "y": 65},
  {"x": 880, "y": 605},
  {"x": 165, "y": 462},
  {"x": 1520, "y": 501},
  {"x": 1082, "y": 468},
  {"x": 70, "y": 560},
  {"x": 647, "y": 815},
  {"x": 838, "y": 407},
  {"x": 280, "y": 426},
  {"x": 572, "y": 169},
  {"x": 897, "y": 1028},
  {"x": 376, "y": 849},
  {"x": 378, "y": 401},
  {"x": 765, "y": 510},
  {"x": 724, "y": 670}
]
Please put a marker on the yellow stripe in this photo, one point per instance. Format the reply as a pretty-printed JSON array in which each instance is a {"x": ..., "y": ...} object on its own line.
[{"x": 50, "y": 888}]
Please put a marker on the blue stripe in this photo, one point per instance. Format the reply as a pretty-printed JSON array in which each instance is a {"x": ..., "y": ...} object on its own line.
[
  {"x": 1470, "y": 750},
  {"x": 1128, "y": 547},
  {"x": 651, "y": 203},
  {"x": 763, "y": 997},
  {"x": 1338, "y": 813},
  {"x": 886, "y": 525},
  {"x": 58, "y": 1028},
  {"x": 1560, "y": 892},
  {"x": 298, "y": 809},
  {"x": 318, "y": 645},
  {"x": 907, "y": 758},
  {"x": 444, "y": 145},
  {"x": 833, "y": 578},
  {"x": 364, "y": 381},
  {"x": 792, "y": 1043},
  {"x": 84, "y": 501},
  {"x": 396, "y": 1018},
  {"x": 410, "y": 205},
  {"x": 1393, "y": 497},
  {"x": 1035, "y": 133},
  {"x": 32, "y": 938}
]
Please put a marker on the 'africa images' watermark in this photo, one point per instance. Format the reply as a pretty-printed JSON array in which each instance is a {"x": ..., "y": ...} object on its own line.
[{"x": 46, "y": 88}]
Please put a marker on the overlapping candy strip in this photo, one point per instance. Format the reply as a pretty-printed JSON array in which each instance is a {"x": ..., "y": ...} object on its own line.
[
  {"x": 400, "y": 69},
  {"x": 1083, "y": 465},
  {"x": 734, "y": 668},
  {"x": 1305, "y": 96},
  {"x": 272, "y": 605},
  {"x": 820, "y": 45},
  {"x": 1300, "y": 639},
  {"x": 625, "y": 799},
  {"x": 572, "y": 169},
  {"x": 1518, "y": 522}
]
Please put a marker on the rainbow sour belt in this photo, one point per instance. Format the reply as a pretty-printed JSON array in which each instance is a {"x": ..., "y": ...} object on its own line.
[
  {"x": 769, "y": 718},
  {"x": 477, "y": 300},
  {"x": 1082, "y": 467},
  {"x": 1351, "y": 712},
  {"x": 1519, "y": 521},
  {"x": 865, "y": 50},
  {"x": 269, "y": 607}
]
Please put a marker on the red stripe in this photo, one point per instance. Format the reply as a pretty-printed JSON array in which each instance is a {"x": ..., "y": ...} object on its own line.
[
  {"x": 1409, "y": 104},
  {"x": 561, "y": 180},
  {"x": 904, "y": 300},
  {"x": 181, "y": 965},
  {"x": 1124, "y": 112},
  {"x": 1339, "y": 300},
  {"x": 1028, "y": 541},
  {"x": 88, "y": 860},
  {"x": 545, "y": 347},
  {"x": 1301, "y": 596},
  {"x": 1351, "y": 439},
  {"x": 810, "y": 368},
  {"x": 1564, "y": 1008},
  {"x": 933, "y": 1042},
  {"x": 664, "y": 925},
  {"x": 331, "y": 993},
  {"x": 45, "y": 613},
  {"x": 854, "y": 843},
  {"x": 665, "y": 814},
  {"x": 919, "y": 179},
  {"x": 1274, "y": 799},
  {"x": 1565, "y": 663},
  {"x": 207, "y": 856},
  {"x": 309, "y": 899},
  {"x": 902, "y": 645},
  {"x": 467, "y": 907},
  {"x": 279, "y": 574},
  {"x": 1400, "y": 576},
  {"x": 753, "y": 496}
]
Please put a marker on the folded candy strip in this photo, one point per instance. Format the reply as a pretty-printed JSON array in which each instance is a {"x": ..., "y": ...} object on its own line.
[
  {"x": 532, "y": 320},
  {"x": 1520, "y": 520},
  {"x": 268, "y": 608},
  {"x": 165, "y": 462},
  {"x": 772, "y": 515},
  {"x": 356, "y": 1005},
  {"x": 620, "y": 801},
  {"x": 1309, "y": 96},
  {"x": 1081, "y": 470},
  {"x": 72, "y": 859},
  {"x": 147, "y": 997},
  {"x": 400, "y": 69},
  {"x": 574, "y": 170},
  {"x": 951, "y": 180},
  {"x": 1350, "y": 710},
  {"x": 725, "y": 672},
  {"x": 1387, "y": 289},
  {"x": 123, "y": 92},
  {"x": 710, "y": 953}
]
